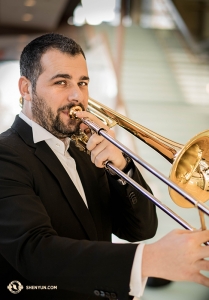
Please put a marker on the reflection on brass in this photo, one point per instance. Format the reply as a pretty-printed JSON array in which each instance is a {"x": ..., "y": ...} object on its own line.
[
  {"x": 80, "y": 141},
  {"x": 188, "y": 163},
  {"x": 202, "y": 220}
]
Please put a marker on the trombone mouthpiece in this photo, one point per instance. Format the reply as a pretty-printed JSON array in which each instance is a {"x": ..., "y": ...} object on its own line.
[{"x": 73, "y": 110}]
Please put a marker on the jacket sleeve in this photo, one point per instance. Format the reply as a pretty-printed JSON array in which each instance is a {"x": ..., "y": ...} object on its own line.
[{"x": 133, "y": 214}]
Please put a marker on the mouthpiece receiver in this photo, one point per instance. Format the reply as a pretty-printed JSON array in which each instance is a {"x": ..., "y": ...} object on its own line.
[{"x": 73, "y": 110}]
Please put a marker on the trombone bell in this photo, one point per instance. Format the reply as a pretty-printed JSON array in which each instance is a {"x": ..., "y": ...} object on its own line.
[{"x": 190, "y": 170}]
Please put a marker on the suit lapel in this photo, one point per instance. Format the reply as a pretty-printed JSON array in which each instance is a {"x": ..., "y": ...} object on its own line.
[
  {"x": 47, "y": 156},
  {"x": 90, "y": 184}
]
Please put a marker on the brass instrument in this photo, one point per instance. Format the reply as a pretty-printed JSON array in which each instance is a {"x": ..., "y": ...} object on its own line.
[{"x": 189, "y": 175}]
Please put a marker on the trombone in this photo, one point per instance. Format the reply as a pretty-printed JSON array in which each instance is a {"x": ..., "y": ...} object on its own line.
[{"x": 189, "y": 176}]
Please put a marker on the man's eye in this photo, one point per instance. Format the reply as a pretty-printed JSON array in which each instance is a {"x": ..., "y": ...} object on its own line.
[
  {"x": 83, "y": 83},
  {"x": 61, "y": 82}
]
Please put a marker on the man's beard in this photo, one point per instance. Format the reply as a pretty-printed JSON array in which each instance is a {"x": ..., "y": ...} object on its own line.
[{"x": 45, "y": 117}]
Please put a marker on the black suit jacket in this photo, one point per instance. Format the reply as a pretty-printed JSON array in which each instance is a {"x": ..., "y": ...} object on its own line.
[{"x": 48, "y": 237}]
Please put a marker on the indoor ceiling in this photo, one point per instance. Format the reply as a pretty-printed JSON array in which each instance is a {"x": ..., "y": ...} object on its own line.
[
  {"x": 22, "y": 19},
  {"x": 28, "y": 16}
]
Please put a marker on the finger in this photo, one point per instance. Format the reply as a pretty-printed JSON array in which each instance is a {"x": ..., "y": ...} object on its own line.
[
  {"x": 203, "y": 265},
  {"x": 203, "y": 252},
  {"x": 100, "y": 159},
  {"x": 93, "y": 141},
  {"x": 100, "y": 154},
  {"x": 201, "y": 237},
  {"x": 201, "y": 279}
]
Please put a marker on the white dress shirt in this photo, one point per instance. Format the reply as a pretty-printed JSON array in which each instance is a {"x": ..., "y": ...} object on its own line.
[{"x": 137, "y": 283}]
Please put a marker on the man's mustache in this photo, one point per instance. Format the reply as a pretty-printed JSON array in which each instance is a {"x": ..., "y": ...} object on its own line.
[{"x": 69, "y": 106}]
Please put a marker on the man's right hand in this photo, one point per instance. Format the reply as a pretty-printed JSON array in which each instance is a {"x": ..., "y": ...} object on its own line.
[{"x": 178, "y": 256}]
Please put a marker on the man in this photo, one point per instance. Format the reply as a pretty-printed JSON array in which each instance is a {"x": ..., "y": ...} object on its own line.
[{"x": 59, "y": 207}]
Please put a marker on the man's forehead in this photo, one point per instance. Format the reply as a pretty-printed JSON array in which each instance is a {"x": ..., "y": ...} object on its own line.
[
  {"x": 55, "y": 59},
  {"x": 53, "y": 54}
]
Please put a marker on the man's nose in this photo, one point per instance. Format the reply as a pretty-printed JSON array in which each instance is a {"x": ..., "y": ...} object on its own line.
[{"x": 75, "y": 94}]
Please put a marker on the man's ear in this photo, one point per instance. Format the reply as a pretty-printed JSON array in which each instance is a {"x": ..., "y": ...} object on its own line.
[{"x": 25, "y": 88}]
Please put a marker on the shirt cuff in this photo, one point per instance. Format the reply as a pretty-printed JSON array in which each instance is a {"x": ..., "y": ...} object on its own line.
[{"x": 137, "y": 282}]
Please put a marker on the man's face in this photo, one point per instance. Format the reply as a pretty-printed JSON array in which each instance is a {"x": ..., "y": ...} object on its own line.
[{"x": 62, "y": 85}]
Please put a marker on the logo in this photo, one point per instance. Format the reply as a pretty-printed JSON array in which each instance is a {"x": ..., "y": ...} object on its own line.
[{"x": 15, "y": 287}]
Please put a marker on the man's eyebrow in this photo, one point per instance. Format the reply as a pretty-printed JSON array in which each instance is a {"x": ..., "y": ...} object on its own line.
[
  {"x": 84, "y": 78},
  {"x": 67, "y": 76}
]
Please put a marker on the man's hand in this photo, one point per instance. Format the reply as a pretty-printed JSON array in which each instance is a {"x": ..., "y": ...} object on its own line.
[
  {"x": 178, "y": 256},
  {"x": 101, "y": 149}
]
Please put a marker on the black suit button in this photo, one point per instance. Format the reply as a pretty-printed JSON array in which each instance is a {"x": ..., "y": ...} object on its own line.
[
  {"x": 113, "y": 296},
  {"x": 102, "y": 294},
  {"x": 96, "y": 292}
]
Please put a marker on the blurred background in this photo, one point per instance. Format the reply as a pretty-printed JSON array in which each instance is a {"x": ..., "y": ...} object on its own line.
[{"x": 148, "y": 59}]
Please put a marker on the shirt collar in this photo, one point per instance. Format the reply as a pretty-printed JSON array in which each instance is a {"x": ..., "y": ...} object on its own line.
[{"x": 41, "y": 134}]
